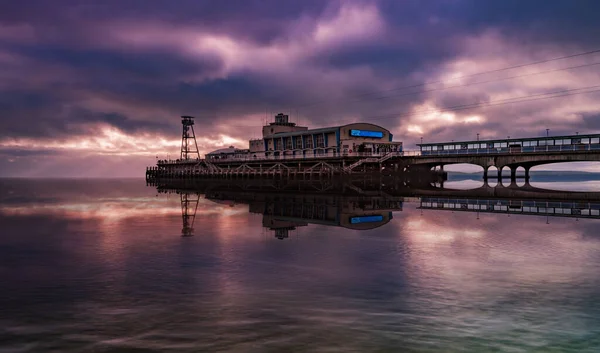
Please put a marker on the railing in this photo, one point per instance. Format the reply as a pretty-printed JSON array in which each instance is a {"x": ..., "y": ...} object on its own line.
[
  {"x": 251, "y": 158},
  {"x": 513, "y": 150},
  {"x": 385, "y": 155}
]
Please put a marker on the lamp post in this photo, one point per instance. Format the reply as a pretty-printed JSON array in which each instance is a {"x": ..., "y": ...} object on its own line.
[
  {"x": 547, "y": 132},
  {"x": 477, "y": 136},
  {"x": 421, "y": 140}
]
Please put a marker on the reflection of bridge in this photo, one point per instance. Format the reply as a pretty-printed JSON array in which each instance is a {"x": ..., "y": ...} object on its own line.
[
  {"x": 368, "y": 203},
  {"x": 526, "y": 200},
  {"x": 511, "y": 153},
  {"x": 579, "y": 209}
]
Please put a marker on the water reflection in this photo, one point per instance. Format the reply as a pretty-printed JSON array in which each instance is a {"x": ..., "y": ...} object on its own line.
[
  {"x": 363, "y": 204},
  {"x": 99, "y": 266}
]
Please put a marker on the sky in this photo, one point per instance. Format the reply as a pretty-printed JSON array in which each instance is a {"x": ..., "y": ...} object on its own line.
[{"x": 97, "y": 88}]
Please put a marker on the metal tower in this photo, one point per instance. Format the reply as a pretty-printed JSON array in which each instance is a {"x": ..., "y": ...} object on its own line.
[{"x": 189, "y": 146}]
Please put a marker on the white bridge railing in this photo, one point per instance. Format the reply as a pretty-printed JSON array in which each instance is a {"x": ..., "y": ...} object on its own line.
[{"x": 513, "y": 150}]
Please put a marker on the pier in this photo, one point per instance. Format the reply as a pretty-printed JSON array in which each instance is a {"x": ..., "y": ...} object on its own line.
[{"x": 288, "y": 151}]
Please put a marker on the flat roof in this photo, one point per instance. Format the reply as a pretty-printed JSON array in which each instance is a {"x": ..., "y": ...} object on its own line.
[
  {"x": 320, "y": 130},
  {"x": 227, "y": 150},
  {"x": 510, "y": 139},
  {"x": 304, "y": 132}
]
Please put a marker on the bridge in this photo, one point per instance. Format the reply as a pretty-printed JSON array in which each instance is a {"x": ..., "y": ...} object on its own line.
[{"x": 511, "y": 153}]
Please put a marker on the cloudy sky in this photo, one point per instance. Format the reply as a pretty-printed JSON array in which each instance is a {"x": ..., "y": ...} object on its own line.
[{"x": 96, "y": 88}]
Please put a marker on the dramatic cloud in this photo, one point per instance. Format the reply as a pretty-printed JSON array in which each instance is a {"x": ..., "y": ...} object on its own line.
[{"x": 85, "y": 84}]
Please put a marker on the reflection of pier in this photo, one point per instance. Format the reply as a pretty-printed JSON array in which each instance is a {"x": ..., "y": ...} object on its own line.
[
  {"x": 368, "y": 203},
  {"x": 360, "y": 204}
]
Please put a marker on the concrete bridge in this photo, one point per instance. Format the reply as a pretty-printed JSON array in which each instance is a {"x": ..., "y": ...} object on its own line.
[
  {"x": 512, "y": 153},
  {"x": 501, "y": 161}
]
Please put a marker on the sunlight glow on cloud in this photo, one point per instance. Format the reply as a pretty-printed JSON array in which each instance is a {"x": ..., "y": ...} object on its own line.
[
  {"x": 351, "y": 23},
  {"x": 428, "y": 117},
  {"x": 112, "y": 141}
]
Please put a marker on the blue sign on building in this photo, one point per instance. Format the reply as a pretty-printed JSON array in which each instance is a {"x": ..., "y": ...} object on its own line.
[
  {"x": 366, "y": 133},
  {"x": 366, "y": 219}
]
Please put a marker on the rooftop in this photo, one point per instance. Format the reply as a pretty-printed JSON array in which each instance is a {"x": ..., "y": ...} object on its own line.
[{"x": 510, "y": 139}]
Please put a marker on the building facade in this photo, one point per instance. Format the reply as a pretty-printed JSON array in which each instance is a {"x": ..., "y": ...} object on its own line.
[{"x": 283, "y": 138}]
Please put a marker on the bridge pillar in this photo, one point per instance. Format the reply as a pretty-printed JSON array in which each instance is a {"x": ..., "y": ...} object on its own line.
[
  {"x": 513, "y": 173},
  {"x": 499, "y": 175},
  {"x": 527, "y": 174},
  {"x": 485, "y": 173}
]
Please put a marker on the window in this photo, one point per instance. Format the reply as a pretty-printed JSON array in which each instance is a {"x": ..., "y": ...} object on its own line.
[
  {"x": 586, "y": 140},
  {"x": 299, "y": 142},
  {"x": 595, "y": 140},
  {"x": 566, "y": 141},
  {"x": 448, "y": 147},
  {"x": 497, "y": 144},
  {"x": 288, "y": 143},
  {"x": 558, "y": 142},
  {"x": 472, "y": 145},
  {"x": 320, "y": 141},
  {"x": 542, "y": 143},
  {"x": 504, "y": 144},
  {"x": 434, "y": 148},
  {"x": 308, "y": 142}
]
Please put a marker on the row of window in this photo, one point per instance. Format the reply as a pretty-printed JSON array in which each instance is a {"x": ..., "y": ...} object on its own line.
[
  {"x": 554, "y": 210},
  {"x": 549, "y": 142},
  {"x": 289, "y": 143}
]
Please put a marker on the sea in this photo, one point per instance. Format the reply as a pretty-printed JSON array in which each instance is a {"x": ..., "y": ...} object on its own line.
[{"x": 117, "y": 265}]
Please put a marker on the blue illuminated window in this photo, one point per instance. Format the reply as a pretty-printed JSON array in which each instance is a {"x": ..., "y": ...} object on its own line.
[
  {"x": 366, "y": 219},
  {"x": 366, "y": 133}
]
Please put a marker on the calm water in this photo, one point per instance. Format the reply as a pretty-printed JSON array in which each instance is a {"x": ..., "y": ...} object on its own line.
[{"x": 102, "y": 266}]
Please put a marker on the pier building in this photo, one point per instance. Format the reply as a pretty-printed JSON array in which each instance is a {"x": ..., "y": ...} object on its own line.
[{"x": 285, "y": 139}]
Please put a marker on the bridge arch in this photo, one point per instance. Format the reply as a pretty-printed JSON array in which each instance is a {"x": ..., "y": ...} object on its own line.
[
  {"x": 461, "y": 167},
  {"x": 492, "y": 176}
]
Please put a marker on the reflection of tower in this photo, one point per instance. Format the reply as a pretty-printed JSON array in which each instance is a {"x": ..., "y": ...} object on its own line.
[
  {"x": 189, "y": 146},
  {"x": 189, "y": 206}
]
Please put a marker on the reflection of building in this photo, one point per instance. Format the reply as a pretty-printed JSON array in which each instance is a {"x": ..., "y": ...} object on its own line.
[
  {"x": 363, "y": 205},
  {"x": 282, "y": 214}
]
